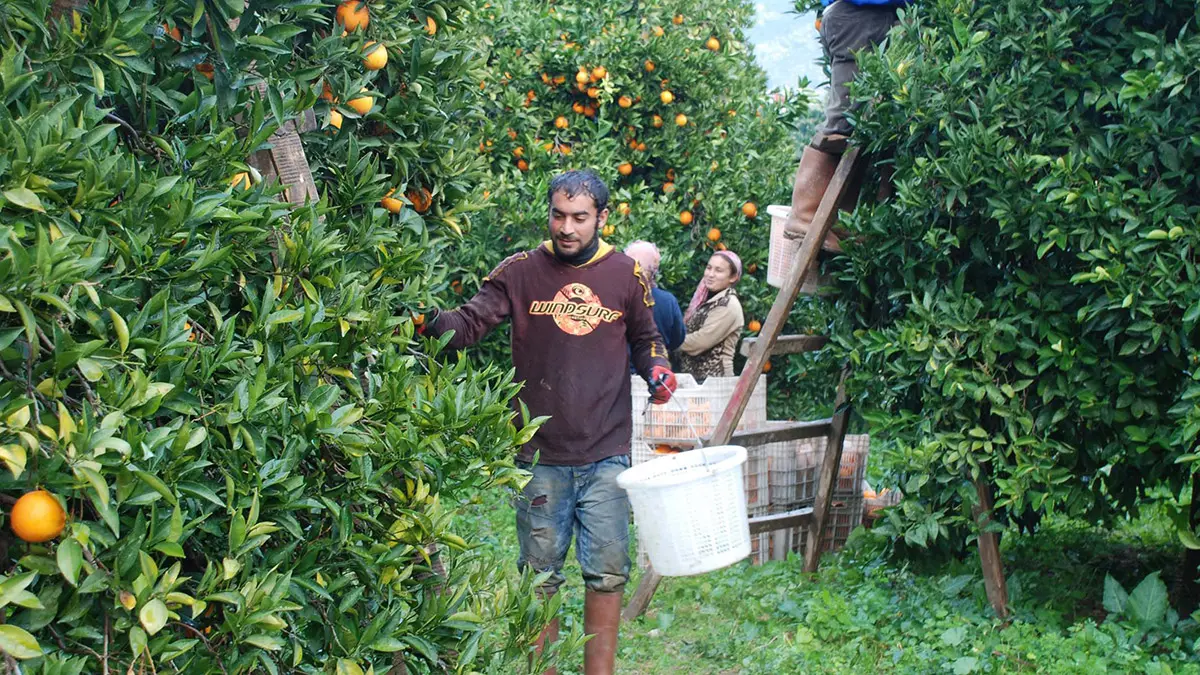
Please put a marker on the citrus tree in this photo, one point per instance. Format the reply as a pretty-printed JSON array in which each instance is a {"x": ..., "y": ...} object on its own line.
[
  {"x": 665, "y": 102},
  {"x": 231, "y": 453},
  {"x": 1025, "y": 306}
]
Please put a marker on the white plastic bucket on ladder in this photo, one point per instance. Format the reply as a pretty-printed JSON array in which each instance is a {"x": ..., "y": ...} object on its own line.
[{"x": 690, "y": 509}]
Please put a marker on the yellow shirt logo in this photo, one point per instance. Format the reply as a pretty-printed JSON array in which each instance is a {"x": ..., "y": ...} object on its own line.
[{"x": 575, "y": 309}]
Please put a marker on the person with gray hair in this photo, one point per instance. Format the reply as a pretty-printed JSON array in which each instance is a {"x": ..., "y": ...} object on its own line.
[{"x": 667, "y": 315}]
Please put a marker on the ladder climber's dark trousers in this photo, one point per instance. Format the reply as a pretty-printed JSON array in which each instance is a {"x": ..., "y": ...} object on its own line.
[{"x": 845, "y": 29}]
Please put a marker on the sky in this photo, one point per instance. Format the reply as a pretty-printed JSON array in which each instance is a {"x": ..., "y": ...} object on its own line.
[{"x": 785, "y": 44}]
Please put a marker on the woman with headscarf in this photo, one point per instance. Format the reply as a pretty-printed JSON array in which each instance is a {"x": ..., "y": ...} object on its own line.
[{"x": 714, "y": 320}]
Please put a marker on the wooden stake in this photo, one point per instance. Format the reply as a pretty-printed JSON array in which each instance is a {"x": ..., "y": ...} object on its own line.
[{"x": 827, "y": 481}]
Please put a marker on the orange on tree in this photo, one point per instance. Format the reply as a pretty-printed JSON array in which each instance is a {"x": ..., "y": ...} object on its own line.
[
  {"x": 658, "y": 31},
  {"x": 205, "y": 69},
  {"x": 375, "y": 56},
  {"x": 668, "y": 187},
  {"x": 754, "y": 326},
  {"x": 327, "y": 93},
  {"x": 173, "y": 31},
  {"x": 751, "y": 268},
  {"x": 712, "y": 44},
  {"x": 624, "y": 101},
  {"x": 750, "y": 210},
  {"x": 658, "y": 121},
  {"x": 519, "y": 151},
  {"x": 681, "y": 120},
  {"x": 625, "y": 169},
  {"x": 623, "y": 208},
  {"x": 361, "y": 104},
  {"x": 649, "y": 66},
  {"x": 685, "y": 217},
  {"x": 714, "y": 234},
  {"x": 589, "y": 111},
  {"x": 678, "y": 20},
  {"x": 641, "y": 147},
  {"x": 37, "y": 517},
  {"x": 430, "y": 25},
  {"x": 335, "y": 119},
  {"x": 352, "y": 15},
  {"x": 593, "y": 92},
  {"x": 577, "y": 107},
  {"x": 522, "y": 165},
  {"x": 666, "y": 97},
  {"x": 767, "y": 367},
  {"x": 607, "y": 231},
  {"x": 561, "y": 122},
  {"x": 582, "y": 77},
  {"x": 418, "y": 319},
  {"x": 721, "y": 246},
  {"x": 421, "y": 199},
  {"x": 599, "y": 73},
  {"x": 390, "y": 203}
]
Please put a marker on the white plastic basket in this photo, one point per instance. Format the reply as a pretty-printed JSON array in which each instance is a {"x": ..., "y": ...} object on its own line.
[
  {"x": 694, "y": 411},
  {"x": 690, "y": 509},
  {"x": 783, "y": 250}
]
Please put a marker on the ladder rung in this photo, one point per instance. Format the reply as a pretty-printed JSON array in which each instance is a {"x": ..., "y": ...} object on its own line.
[
  {"x": 781, "y": 521},
  {"x": 789, "y": 344},
  {"x": 787, "y": 431}
]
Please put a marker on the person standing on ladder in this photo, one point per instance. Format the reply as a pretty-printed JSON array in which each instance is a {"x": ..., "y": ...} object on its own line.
[
  {"x": 846, "y": 27},
  {"x": 575, "y": 303}
]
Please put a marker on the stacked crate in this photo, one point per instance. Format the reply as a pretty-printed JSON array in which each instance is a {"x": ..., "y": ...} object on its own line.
[{"x": 793, "y": 473}]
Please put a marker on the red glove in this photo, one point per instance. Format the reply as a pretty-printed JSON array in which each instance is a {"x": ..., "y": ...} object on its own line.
[{"x": 662, "y": 383}]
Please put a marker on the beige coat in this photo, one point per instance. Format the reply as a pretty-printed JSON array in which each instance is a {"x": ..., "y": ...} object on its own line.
[{"x": 712, "y": 337}]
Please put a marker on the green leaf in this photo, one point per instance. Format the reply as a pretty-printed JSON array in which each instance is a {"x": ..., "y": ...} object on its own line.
[
  {"x": 14, "y": 457},
  {"x": 170, "y": 548},
  {"x": 18, "y": 643},
  {"x": 91, "y": 369},
  {"x": 966, "y": 665},
  {"x": 1115, "y": 597},
  {"x": 158, "y": 486},
  {"x": 153, "y": 616},
  {"x": 387, "y": 644},
  {"x": 285, "y": 316},
  {"x": 121, "y": 327},
  {"x": 1189, "y": 539},
  {"x": 24, "y": 197},
  {"x": 348, "y": 667},
  {"x": 70, "y": 559},
  {"x": 954, "y": 636},
  {"x": 1148, "y": 602},
  {"x": 200, "y": 492},
  {"x": 267, "y": 642}
]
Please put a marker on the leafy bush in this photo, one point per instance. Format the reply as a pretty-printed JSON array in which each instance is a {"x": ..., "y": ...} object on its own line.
[
  {"x": 1026, "y": 302},
  {"x": 258, "y": 461}
]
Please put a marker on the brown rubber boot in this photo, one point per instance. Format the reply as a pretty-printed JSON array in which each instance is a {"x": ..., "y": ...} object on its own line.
[
  {"x": 601, "y": 620},
  {"x": 548, "y": 636},
  {"x": 812, "y": 178}
]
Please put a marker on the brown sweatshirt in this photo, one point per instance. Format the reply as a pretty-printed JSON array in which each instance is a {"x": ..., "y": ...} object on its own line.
[{"x": 570, "y": 326}]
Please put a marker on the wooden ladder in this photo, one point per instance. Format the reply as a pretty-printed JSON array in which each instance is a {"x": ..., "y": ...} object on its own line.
[{"x": 758, "y": 350}]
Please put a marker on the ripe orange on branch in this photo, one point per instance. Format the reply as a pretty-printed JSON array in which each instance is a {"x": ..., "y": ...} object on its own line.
[
  {"x": 714, "y": 234},
  {"x": 625, "y": 102},
  {"x": 375, "y": 56},
  {"x": 361, "y": 104},
  {"x": 713, "y": 44},
  {"x": 561, "y": 122},
  {"x": 353, "y": 15},
  {"x": 625, "y": 169},
  {"x": 681, "y": 120},
  {"x": 390, "y": 203},
  {"x": 37, "y": 517},
  {"x": 666, "y": 97},
  {"x": 750, "y": 210},
  {"x": 685, "y": 217}
]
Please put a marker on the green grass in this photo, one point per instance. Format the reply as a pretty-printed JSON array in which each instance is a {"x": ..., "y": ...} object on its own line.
[{"x": 863, "y": 613}]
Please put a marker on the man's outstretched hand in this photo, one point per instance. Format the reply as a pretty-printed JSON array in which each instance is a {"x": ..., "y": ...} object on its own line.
[{"x": 662, "y": 383}]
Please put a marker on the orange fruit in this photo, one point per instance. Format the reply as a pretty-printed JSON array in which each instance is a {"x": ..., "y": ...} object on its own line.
[
  {"x": 666, "y": 97},
  {"x": 327, "y": 93},
  {"x": 512, "y": 134},
  {"x": 714, "y": 234},
  {"x": 519, "y": 151},
  {"x": 335, "y": 119},
  {"x": 623, "y": 208},
  {"x": 421, "y": 200},
  {"x": 593, "y": 92},
  {"x": 578, "y": 108},
  {"x": 712, "y": 44},
  {"x": 721, "y": 246},
  {"x": 625, "y": 169},
  {"x": 624, "y": 101},
  {"x": 37, "y": 516},
  {"x": 353, "y": 15},
  {"x": 582, "y": 77},
  {"x": 750, "y": 210},
  {"x": 678, "y": 20},
  {"x": 685, "y": 217},
  {"x": 559, "y": 79},
  {"x": 431, "y": 28},
  {"x": 668, "y": 188},
  {"x": 173, "y": 32},
  {"x": 658, "y": 31},
  {"x": 641, "y": 147},
  {"x": 205, "y": 69},
  {"x": 390, "y": 203},
  {"x": 589, "y": 111},
  {"x": 240, "y": 179},
  {"x": 419, "y": 320},
  {"x": 599, "y": 73},
  {"x": 649, "y": 66},
  {"x": 375, "y": 56},
  {"x": 681, "y": 120},
  {"x": 522, "y": 165},
  {"x": 658, "y": 122},
  {"x": 752, "y": 268},
  {"x": 561, "y": 122},
  {"x": 361, "y": 104},
  {"x": 767, "y": 367},
  {"x": 754, "y": 326},
  {"x": 607, "y": 231},
  {"x": 670, "y": 174}
]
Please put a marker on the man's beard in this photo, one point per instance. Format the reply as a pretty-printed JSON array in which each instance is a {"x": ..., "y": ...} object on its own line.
[{"x": 584, "y": 253}]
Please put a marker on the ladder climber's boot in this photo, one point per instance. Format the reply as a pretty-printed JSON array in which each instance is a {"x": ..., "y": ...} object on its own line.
[
  {"x": 812, "y": 178},
  {"x": 601, "y": 620},
  {"x": 549, "y": 636}
]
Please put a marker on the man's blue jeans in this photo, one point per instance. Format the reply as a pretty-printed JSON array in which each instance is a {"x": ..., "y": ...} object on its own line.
[{"x": 583, "y": 500}]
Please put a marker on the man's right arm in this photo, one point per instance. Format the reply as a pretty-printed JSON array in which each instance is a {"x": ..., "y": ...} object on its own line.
[{"x": 472, "y": 322}]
